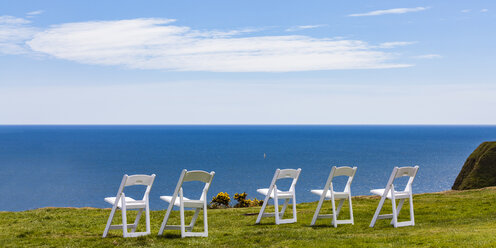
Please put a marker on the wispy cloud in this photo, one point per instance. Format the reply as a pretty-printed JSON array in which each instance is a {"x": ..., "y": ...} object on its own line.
[
  {"x": 394, "y": 44},
  {"x": 391, "y": 11},
  {"x": 484, "y": 10},
  {"x": 13, "y": 33},
  {"x": 155, "y": 43},
  {"x": 465, "y": 10},
  {"x": 11, "y": 20},
  {"x": 34, "y": 13},
  {"x": 303, "y": 27},
  {"x": 428, "y": 56},
  {"x": 151, "y": 44}
]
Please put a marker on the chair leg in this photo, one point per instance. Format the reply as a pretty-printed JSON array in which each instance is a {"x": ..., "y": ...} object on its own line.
[
  {"x": 193, "y": 220},
  {"x": 183, "y": 228},
  {"x": 136, "y": 221},
  {"x": 294, "y": 208},
  {"x": 317, "y": 211},
  {"x": 351, "y": 210},
  {"x": 334, "y": 219},
  {"x": 400, "y": 205},
  {"x": 276, "y": 208},
  {"x": 181, "y": 211},
  {"x": 166, "y": 218},
  {"x": 262, "y": 210},
  {"x": 147, "y": 216},
  {"x": 284, "y": 208},
  {"x": 395, "y": 213},
  {"x": 124, "y": 220},
  {"x": 412, "y": 216},
  {"x": 398, "y": 209},
  {"x": 205, "y": 223},
  {"x": 109, "y": 221},
  {"x": 341, "y": 202},
  {"x": 377, "y": 211}
]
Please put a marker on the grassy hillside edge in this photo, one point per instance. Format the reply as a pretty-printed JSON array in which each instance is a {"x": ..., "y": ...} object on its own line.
[
  {"x": 479, "y": 169},
  {"x": 451, "y": 218}
]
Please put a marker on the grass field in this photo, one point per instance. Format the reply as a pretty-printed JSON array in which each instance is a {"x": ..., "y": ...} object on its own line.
[{"x": 445, "y": 219}]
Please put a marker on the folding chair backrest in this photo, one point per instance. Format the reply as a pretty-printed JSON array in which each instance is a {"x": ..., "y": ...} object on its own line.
[
  {"x": 341, "y": 171},
  {"x": 406, "y": 172},
  {"x": 286, "y": 173},
  {"x": 344, "y": 171},
  {"x": 201, "y": 176},
  {"x": 197, "y": 175},
  {"x": 403, "y": 172},
  {"x": 139, "y": 180},
  {"x": 146, "y": 180}
]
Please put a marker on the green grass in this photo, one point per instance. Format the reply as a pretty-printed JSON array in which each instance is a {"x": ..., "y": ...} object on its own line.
[{"x": 446, "y": 219}]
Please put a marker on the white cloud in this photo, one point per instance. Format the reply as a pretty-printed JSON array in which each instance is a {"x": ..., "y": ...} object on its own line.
[
  {"x": 156, "y": 44},
  {"x": 34, "y": 13},
  {"x": 428, "y": 56},
  {"x": 13, "y": 33},
  {"x": 390, "y": 11},
  {"x": 465, "y": 10},
  {"x": 484, "y": 10},
  {"x": 396, "y": 44},
  {"x": 303, "y": 27},
  {"x": 11, "y": 20}
]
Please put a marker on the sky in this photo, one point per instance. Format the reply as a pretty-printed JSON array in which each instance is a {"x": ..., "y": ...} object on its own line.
[{"x": 247, "y": 62}]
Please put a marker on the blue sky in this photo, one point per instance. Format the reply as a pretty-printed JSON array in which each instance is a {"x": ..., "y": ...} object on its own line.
[{"x": 251, "y": 62}]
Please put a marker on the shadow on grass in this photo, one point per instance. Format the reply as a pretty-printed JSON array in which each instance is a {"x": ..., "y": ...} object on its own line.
[
  {"x": 320, "y": 226},
  {"x": 250, "y": 214},
  {"x": 169, "y": 236}
]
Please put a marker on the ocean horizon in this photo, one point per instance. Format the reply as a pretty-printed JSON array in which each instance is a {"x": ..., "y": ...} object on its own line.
[{"x": 79, "y": 165}]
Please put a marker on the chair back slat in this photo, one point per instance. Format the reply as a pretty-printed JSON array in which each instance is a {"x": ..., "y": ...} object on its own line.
[
  {"x": 344, "y": 171},
  {"x": 198, "y": 175},
  {"x": 406, "y": 172},
  {"x": 146, "y": 180},
  {"x": 288, "y": 173}
]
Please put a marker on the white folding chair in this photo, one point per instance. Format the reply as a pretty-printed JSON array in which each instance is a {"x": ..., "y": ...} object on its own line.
[
  {"x": 390, "y": 193},
  {"x": 125, "y": 203},
  {"x": 274, "y": 193},
  {"x": 178, "y": 199},
  {"x": 329, "y": 193}
]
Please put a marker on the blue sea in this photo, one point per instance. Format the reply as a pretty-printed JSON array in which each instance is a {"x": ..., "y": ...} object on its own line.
[{"x": 77, "y": 166}]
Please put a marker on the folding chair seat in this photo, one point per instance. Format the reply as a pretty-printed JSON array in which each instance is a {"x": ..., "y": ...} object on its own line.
[
  {"x": 390, "y": 193},
  {"x": 187, "y": 202},
  {"x": 280, "y": 194},
  {"x": 329, "y": 193},
  {"x": 178, "y": 200},
  {"x": 121, "y": 201},
  {"x": 397, "y": 194},
  {"x": 274, "y": 193},
  {"x": 130, "y": 202},
  {"x": 337, "y": 195}
]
